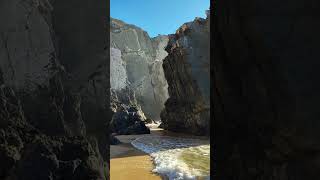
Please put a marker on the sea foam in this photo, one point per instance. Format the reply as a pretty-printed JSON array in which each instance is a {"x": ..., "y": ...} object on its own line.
[{"x": 173, "y": 156}]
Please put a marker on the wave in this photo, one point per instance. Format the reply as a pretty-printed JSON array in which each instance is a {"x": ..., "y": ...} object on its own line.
[{"x": 177, "y": 158}]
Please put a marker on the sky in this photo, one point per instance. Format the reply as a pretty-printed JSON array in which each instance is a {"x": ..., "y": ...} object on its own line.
[{"x": 158, "y": 16}]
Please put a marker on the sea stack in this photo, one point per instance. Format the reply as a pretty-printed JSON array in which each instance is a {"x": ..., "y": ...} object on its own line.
[{"x": 187, "y": 70}]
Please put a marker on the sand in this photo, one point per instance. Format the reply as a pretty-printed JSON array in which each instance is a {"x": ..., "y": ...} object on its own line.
[
  {"x": 129, "y": 163},
  {"x": 135, "y": 167}
]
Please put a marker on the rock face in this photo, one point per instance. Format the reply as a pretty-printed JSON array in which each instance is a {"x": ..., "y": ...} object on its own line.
[
  {"x": 266, "y": 90},
  {"x": 129, "y": 120},
  {"x": 54, "y": 92},
  {"x": 136, "y": 64},
  {"x": 187, "y": 70},
  {"x": 118, "y": 73},
  {"x": 127, "y": 116}
]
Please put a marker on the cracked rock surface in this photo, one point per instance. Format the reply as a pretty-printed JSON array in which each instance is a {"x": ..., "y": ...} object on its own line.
[
  {"x": 187, "y": 70},
  {"x": 54, "y": 90},
  {"x": 136, "y": 63}
]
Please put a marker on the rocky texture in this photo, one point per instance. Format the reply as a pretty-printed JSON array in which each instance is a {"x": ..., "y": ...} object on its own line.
[
  {"x": 266, "y": 90},
  {"x": 127, "y": 117},
  {"x": 54, "y": 90},
  {"x": 118, "y": 72},
  {"x": 158, "y": 80},
  {"x": 141, "y": 57},
  {"x": 187, "y": 70},
  {"x": 113, "y": 140},
  {"x": 26, "y": 153},
  {"x": 128, "y": 120}
]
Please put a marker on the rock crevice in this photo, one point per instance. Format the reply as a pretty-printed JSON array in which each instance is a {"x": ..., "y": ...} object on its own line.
[{"x": 137, "y": 64}]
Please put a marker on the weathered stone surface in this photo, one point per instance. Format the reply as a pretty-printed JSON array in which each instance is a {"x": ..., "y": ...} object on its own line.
[
  {"x": 266, "y": 90},
  {"x": 118, "y": 73},
  {"x": 128, "y": 120},
  {"x": 127, "y": 117},
  {"x": 187, "y": 70},
  {"x": 141, "y": 56},
  {"x": 54, "y": 90},
  {"x": 26, "y": 45},
  {"x": 158, "y": 80},
  {"x": 82, "y": 40},
  {"x": 26, "y": 153}
]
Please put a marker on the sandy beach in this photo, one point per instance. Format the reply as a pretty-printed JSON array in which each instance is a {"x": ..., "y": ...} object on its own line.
[{"x": 127, "y": 162}]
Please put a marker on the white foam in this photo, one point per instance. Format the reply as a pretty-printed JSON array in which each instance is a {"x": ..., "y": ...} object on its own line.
[{"x": 166, "y": 152}]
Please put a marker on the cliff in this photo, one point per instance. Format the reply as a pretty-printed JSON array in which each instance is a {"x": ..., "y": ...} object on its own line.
[
  {"x": 266, "y": 90},
  {"x": 53, "y": 89},
  {"x": 187, "y": 70},
  {"x": 137, "y": 66}
]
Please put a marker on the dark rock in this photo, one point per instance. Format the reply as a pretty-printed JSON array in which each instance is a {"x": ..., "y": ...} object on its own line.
[
  {"x": 113, "y": 140},
  {"x": 54, "y": 98},
  {"x": 138, "y": 127},
  {"x": 127, "y": 114},
  {"x": 161, "y": 125},
  {"x": 127, "y": 120},
  {"x": 9, "y": 155},
  {"x": 149, "y": 121},
  {"x": 37, "y": 162},
  {"x": 67, "y": 168},
  {"x": 266, "y": 90},
  {"x": 187, "y": 70}
]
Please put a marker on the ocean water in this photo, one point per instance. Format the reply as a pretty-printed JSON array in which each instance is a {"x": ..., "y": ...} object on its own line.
[{"x": 177, "y": 158}]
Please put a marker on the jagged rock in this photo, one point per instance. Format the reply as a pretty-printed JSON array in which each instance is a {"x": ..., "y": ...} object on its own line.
[
  {"x": 187, "y": 70},
  {"x": 128, "y": 120},
  {"x": 127, "y": 113},
  {"x": 137, "y": 77},
  {"x": 136, "y": 61},
  {"x": 83, "y": 54},
  {"x": 54, "y": 97},
  {"x": 26, "y": 153}
]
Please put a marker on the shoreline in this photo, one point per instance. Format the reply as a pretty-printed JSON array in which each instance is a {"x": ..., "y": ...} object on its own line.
[{"x": 128, "y": 162}]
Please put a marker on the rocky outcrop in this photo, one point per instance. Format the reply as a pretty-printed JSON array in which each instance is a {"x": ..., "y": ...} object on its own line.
[
  {"x": 27, "y": 153},
  {"x": 136, "y": 64},
  {"x": 128, "y": 120},
  {"x": 127, "y": 116},
  {"x": 266, "y": 90},
  {"x": 187, "y": 70},
  {"x": 54, "y": 90}
]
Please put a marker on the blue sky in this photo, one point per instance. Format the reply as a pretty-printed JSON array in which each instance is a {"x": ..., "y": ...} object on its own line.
[{"x": 158, "y": 16}]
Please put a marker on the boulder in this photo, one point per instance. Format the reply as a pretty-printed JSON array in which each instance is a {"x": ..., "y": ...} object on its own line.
[{"x": 128, "y": 120}]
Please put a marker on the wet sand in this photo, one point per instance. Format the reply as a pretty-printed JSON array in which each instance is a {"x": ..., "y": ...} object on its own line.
[
  {"x": 135, "y": 166},
  {"x": 127, "y": 162}
]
